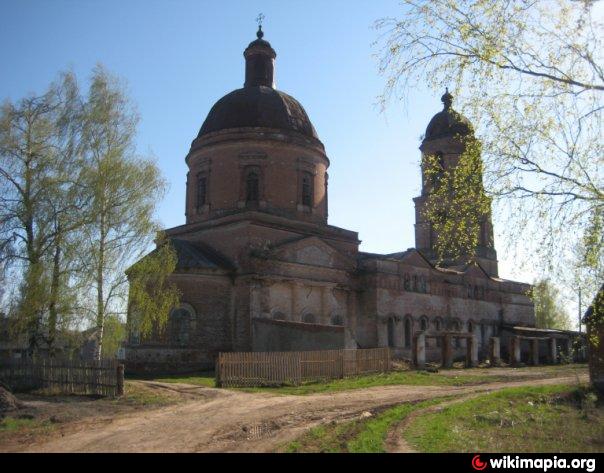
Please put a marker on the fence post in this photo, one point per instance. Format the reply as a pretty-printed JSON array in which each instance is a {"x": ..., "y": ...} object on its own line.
[
  {"x": 120, "y": 379},
  {"x": 217, "y": 371}
]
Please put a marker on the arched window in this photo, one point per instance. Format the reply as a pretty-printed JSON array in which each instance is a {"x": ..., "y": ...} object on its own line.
[
  {"x": 438, "y": 326},
  {"x": 252, "y": 186},
  {"x": 307, "y": 189},
  {"x": 457, "y": 328},
  {"x": 470, "y": 326},
  {"x": 415, "y": 288},
  {"x": 308, "y": 318},
  {"x": 440, "y": 167},
  {"x": 423, "y": 323},
  {"x": 180, "y": 325},
  {"x": 408, "y": 331},
  {"x": 423, "y": 286},
  {"x": 278, "y": 315},
  {"x": 407, "y": 282},
  {"x": 337, "y": 319},
  {"x": 202, "y": 190},
  {"x": 391, "y": 331}
]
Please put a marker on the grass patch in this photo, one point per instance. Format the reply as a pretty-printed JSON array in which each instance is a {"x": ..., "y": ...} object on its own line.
[
  {"x": 366, "y": 435},
  {"x": 207, "y": 380},
  {"x": 138, "y": 395},
  {"x": 392, "y": 378},
  {"x": 410, "y": 378},
  {"x": 201, "y": 378},
  {"x": 559, "y": 418},
  {"x": 11, "y": 425}
]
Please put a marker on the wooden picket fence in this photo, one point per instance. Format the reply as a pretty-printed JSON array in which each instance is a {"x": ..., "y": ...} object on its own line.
[
  {"x": 240, "y": 369},
  {"x": 101, "y": 378}
]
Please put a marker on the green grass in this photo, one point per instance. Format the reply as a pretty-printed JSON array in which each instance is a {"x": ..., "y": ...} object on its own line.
[
  {"x": 558, "y": 418},
  {"x": 137, "y": 395},
  {"x": 406, "y": 377},
  {"x": 207, "y": 381},
  {"x": 200, "y": 379},
  {"x": 410, "y": 378},
  {"x": 17, "y": 424},
  {"x": 366, "y": 435}
]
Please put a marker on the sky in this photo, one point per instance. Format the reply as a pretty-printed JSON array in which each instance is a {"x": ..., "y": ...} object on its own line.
[{"x": 178, "y": 57}]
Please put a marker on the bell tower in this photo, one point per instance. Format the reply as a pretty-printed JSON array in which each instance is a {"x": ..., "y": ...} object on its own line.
[{"x": 444, "y": 140}]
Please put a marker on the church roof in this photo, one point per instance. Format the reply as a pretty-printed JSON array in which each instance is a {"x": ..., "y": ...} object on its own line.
[
  {"x": 197, "y": 255},
  {"x": 448, "y": 122},
  {"x": 258, "y": 106}
]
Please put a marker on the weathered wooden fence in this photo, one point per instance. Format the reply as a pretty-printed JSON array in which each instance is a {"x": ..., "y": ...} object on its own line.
[
  {"x": 295, "y": 367},
  {"x": 102, "y": 378}
]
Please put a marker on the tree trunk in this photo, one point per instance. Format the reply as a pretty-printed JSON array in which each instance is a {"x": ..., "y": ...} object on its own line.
[
  {"x": 54, "y": 296},
  {"x": 100, "y": 315}
]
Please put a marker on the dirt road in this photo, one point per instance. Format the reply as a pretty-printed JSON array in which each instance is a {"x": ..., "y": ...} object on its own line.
[{"x": 218, "y": 420}]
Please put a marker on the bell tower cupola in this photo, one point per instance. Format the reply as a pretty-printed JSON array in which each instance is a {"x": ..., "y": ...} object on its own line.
[
  {"x": 260, "y": 62},
  {"x": 445, "y": 140}
]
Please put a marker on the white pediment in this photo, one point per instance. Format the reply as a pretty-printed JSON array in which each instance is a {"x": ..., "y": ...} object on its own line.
[{"x": 311, "y": 251}]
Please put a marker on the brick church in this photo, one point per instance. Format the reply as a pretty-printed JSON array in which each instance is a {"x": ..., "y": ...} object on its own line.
[{"x": 260, "y": 268}]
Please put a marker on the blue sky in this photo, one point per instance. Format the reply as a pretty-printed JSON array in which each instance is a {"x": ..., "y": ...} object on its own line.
[{"x": 178, "y": 57}]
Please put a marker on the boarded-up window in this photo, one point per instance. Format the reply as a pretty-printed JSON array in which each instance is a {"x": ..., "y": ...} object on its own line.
[
  {"x": 252, "y": 186},
  {"x": 307, "y": 189},
  {"x": 180, "y": 326},
  {"x": 408, "y": 332},
  {"x": 202, "y": 190}
]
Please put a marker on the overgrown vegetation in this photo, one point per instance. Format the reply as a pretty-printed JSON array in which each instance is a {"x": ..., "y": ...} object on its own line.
[
  {"x": 530, "y": 419},
  {"x": 457, "y": 205}
]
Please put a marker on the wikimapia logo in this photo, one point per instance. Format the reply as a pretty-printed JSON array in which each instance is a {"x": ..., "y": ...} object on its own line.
[
  {"x": 543, "y": 464},
  {"x": 478, "y": 464}
]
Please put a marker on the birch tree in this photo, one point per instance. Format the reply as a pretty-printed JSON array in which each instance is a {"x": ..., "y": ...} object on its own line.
[
  {"x": 125, "y": 189},
  {"x": 38, "y": 143},
  {"x": 530, "y": 76}
]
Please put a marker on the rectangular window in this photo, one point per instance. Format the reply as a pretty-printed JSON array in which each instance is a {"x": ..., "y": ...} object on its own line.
[
  {"x": 307, "y": 189},
  {"x": 252, "y": 184},
  {"x": 202, "y": 188}
]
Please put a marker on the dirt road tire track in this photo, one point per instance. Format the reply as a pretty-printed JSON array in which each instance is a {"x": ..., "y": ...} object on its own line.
[{"x": 216, "y": 420}]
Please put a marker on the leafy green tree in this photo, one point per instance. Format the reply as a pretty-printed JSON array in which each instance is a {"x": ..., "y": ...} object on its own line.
[
  {"x": 38, "y": 142},
  {"x": 114, "y": 333},
  {"x": 549, "y": 312},
  {"x": 76, "y": 208},
  {"x": 125, "y": 190},
  {"x": 152, "y": 294},
  {"x": 530, "y": 76},
  {"x": 457, "y": 203}
]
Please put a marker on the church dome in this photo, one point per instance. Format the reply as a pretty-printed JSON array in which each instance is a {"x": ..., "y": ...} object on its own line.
[
  {"x": 258, "y": 106},
  {"x": 448, "y": 122}
]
